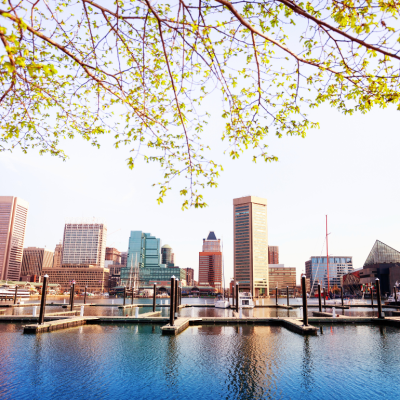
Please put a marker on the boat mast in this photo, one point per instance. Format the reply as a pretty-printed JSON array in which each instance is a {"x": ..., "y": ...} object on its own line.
[{"x": 327, "y": 256}]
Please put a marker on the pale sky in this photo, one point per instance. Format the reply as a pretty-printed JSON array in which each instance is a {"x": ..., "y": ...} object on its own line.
[{"x": 347, "y": 169}]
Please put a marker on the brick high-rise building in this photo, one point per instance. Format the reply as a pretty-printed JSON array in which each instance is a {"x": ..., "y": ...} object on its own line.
[
  {"x": 13, "y": 216},
  {"x": 34, "y": 260},
  {"x": 210, "y": 263},
  {"x": 57, "y": 258},
  {"x": 251, "y": 244},
  {"x": 113, "y": 255},
  {"x": 273, "y": 255},
  {"x": 189, "y": 276}
]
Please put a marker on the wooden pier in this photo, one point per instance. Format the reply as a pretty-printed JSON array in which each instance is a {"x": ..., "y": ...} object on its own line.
[
  {"x": 180, "y": 324},
  {"x": 59, "y": 324}
]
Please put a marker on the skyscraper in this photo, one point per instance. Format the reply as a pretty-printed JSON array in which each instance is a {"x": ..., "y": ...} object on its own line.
[
  {"x": 84, "y": 244},
  {"x": 57, "y": 259},
  {"x": 210, "y": 262},
  {"x": 189, "y": 276},
  {"x": 251, "y": 244},
  {"x": 13, "y": 216},
  {"x": 144, "y": 251},
  {"x": 34, "y": 260},
  {"x": 273, "y": 255}
]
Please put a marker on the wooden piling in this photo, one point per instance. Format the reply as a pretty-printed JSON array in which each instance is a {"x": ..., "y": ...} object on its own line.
[
  {"x": 287, "y": 295},
  {"x": 237, "y": 296},
  {"x": 378, "y": 296},
  {"x": 154, "y": 297},
  {"x": 43, "y": 300},
  {"x": 319, "y": 298},
  {"x": 341, "y": 295},
  {"x": 15, "y": 294},
  {"x": 72, "y": 296},
  {"x": 171, "y": 303},
  {"x": 305, "y": 315}
]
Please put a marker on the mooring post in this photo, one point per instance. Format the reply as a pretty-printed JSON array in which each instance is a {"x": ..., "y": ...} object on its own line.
[
  {"x": 171, "y": 303},
  {"x": 287, "y": 295},
  {"x": 176, "y": 298},
  {"x": 303, "y": 287},
  {"x": 16, "y": 293},
  {"x": 154, "y": 297},
  {"x": 341, "y": 295},
  {"x": 124, "y": 295},
  {"x": 372, "y": 296},
  {"x": 72, "y": 296},
  {"x": 237, "y": 296},
  {"x": 43, "y": 300},
  {"x": 276, "y": 295},
  {"x": 378, "y": 296},
  {"x": 394, "y": 294},
  {"x": 132, "y": 296},
  {"x": 233, "y": 296},
  {"x": 324, "y": 299},
  {"x": 319, "y": 298},
  {"x": 84, "y": 299}
]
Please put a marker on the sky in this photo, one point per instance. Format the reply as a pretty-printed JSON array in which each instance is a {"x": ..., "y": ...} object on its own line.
[{"x": 348, "y": 169}]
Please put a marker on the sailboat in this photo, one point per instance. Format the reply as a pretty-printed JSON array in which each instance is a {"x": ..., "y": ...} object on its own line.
[{"x": 221, "y": 302}]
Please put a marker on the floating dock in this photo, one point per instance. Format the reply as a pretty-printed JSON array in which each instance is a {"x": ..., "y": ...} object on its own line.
[
  {"x": 49, "y": 326},
  {"x": 180, "y": 324}
]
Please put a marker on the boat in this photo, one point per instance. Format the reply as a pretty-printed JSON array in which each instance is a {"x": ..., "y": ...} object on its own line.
[
  {"x": 391, "y": 299},
  {"x": 221, "y": 302},
  {"x": 7, "y": 291},
  {"x": 245, "y": 300}
]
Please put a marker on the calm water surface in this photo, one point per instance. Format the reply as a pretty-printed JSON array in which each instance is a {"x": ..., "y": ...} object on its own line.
[{"x": 210, "y": 362}]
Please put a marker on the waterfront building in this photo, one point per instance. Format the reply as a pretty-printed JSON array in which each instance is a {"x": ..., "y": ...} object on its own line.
[
  {"x": 144, "y": 254},
  {"x": 281, "y": 277},
  {"x": 383, "y": 262},
  {"x": 317, "y": 270},
  {"x": 113, "y": 255},
  {"x": 114, "y": 275},
  {"x": 57, "y": 259},
  {"x": 210, "y": 262},
  {"x": 84, "y": 244},
  {"x": 34, "y": 260},
  {"x": 13, "y": 217},
  {"x": 189, "y": 276},
  {"x": 166, "y": 255},
  {"x": 95, "y": 278},
  {"x": 251, "y": 244},
  {"x": 273, "y": 255}
]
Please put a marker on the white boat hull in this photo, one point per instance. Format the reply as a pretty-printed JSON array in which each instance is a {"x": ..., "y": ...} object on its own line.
[{"x": 222, "y": 304}]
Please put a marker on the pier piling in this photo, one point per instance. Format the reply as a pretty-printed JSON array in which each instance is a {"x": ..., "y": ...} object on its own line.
[
  {"x": 237, "y": 296},
  {"x": 372, "y": 296},
  {"x": 84, "y": 298},
  {"x": 319, "y": 298},
  {"x": 176, "y": 298},
  {"x": 172, "y": 307},
  {"x": 324, "y": 299},
  {"x": 378, "y": 296},
  {"x": 154, "y": 297},
  {"x": 72, "y": 296},
  {"x": 394, "y": 294},
  {"x": 276, "y": 296},
  {"x": 16, "y": 294},
  {"x": 124, "y": 295},
  {"x": 287, "y": 295},
  {"x": 341, "y": 295},
  {"x": 303, "y": 287},
  {"x": 132, "y": 295},
  {"x": 43, "y": 300}
]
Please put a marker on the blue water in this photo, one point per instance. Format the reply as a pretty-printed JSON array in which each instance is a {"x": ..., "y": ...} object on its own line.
[{"x": 209, "y": 362}]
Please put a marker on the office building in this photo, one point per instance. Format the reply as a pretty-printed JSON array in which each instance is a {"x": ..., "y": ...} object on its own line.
[
  {"x": 13, "y": 217},
  {"x": 189, "y": 276},
  {"x": 317, "y": 271},
  {"x": 57, "y": 259},
  {"x": 210, "y": 263},
  {"x": 144, "y": 255},
  {"x": 166, "y": 255},
  {"x": 251, "y": 245},
  {"x": 34, "y": 260},
  {"x": 84, "y": 244},
  {"x": 273, "y": 255},
  {"x": 281, "y": 278},
  {"x": 113, "y": 255},
  {"x": 124, "y": 258},
  {"x": 95, "y": 278},
  {"x": 114, "y": 275}
]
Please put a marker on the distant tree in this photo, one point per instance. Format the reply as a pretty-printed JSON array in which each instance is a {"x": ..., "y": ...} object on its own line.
[{"x": 143, "y": 70}]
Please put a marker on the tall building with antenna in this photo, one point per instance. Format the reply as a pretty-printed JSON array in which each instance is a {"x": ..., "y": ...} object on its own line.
[{"x": 210, "y": 263}]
